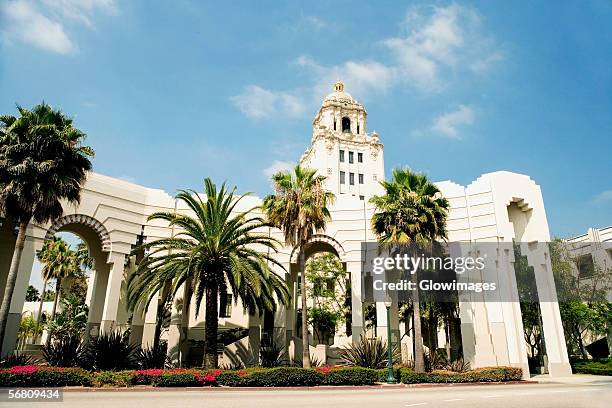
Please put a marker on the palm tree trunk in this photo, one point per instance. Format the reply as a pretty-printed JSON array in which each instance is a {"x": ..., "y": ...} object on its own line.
[
  {"x": 211, "y": 326},
  {"x": 11, "y": 279},
  {"x": 58, "y": 286},
  {"x": 40, "y": 307},
  {"x": 305, "y": 342},
  {"x": 419, "y": 361},
  {"x": 447, "y": 341}
]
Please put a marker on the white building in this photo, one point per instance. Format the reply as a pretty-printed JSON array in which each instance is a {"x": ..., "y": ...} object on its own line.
[{"x": 497, "y": 207}]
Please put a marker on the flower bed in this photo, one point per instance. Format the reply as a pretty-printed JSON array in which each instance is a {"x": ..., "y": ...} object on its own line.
[
  {"x": 39, "y": 376},
  {"x": 487, "y": 374}
]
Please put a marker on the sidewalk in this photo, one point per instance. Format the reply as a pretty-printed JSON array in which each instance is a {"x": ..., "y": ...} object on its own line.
[{"x": 580, "y": 379}]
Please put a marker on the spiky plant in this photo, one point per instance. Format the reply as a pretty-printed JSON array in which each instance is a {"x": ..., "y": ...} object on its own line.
[{"x": 368, "y": 353}]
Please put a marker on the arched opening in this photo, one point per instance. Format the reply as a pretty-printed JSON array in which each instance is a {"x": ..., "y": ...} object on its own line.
[
  {"x": 328, "y": 291},
  {"x": 79, "y": 293},
  {"x": 346, "y": 125}
]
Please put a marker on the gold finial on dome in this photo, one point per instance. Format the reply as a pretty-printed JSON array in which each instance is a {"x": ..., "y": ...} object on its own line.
[{"x": 339, "y": 86}]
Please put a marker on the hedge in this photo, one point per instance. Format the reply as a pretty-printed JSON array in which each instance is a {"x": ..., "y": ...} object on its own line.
[
  {"x": 36, "y": 376},
  {"x": 486, "y": 374},
  {"x": 39, "y": 376},
  {"x": 602, "y": 367}
]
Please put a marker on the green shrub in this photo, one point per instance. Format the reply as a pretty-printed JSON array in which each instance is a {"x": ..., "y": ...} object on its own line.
[
  {"x": 599, "y": 367},
  {"x": 486, "y": 374},
  {"x": 282, "y": 377},
  {"x": 229, "y": 379},
  {"x": 113, "y": 379},
  {"x": 36, "y": 376},
  {"x": 177, "y": 379},
  {"x": 384, "y": 372},
  {"x": 349, "y": 376}
]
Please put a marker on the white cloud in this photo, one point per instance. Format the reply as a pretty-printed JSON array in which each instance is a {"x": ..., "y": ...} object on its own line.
[
  {"x": 449, "y": 38},
  {"x": 259, "y": 103},
  {"x": 603, "y": 197},
  {"x": 24, "y": 23},
  {"x": 43, "y": 23},
  {"x": 276, "y": 166},
  {"x": 449, "y": 123},
  {"x": 81, "y": 11}
]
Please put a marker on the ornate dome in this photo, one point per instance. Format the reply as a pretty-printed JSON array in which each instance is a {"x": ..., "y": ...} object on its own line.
[{"x": 339, "y": 95}]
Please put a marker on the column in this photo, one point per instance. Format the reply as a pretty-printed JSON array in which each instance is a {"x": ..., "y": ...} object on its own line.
[
  {"x": 354, "y": 268},
  {"x": 150, "y": 321},
  {"x": 113, "y": 293},
  {"x": 21, "y": 285},
  {"x": 554, "y": 337}
]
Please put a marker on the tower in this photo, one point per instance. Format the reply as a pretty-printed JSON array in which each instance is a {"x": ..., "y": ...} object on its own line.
[{"x": 342, "y": 150}]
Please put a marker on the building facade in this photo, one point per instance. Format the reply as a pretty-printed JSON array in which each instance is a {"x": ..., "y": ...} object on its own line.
[{"x": 499, "y": 207}]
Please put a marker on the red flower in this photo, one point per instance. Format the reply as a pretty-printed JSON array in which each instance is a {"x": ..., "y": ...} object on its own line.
[
  {"x": 29, "y": 369},
  {"x": 152, "y": 371},
  {"x": 323, "y": 370}
]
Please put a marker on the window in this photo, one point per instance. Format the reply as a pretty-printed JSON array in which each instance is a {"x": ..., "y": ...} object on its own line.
[
  {"x": 374, "y": 177},
  {"x": 225, "y": 305},
  {"x": 357, "y": 128},
  {"x": 360, "y": 178},
  {"x": 334, "y": 124},
  {"x": 342, "y": 178},
  {"x": 352, "y": 179},
  {"x": 346, "y": 125},
  {"x": 361, "y": 197},
  {"x": 351, "y": 157},
  {"x": 360, "y": 157},
  {"x": 342, "y": 156},
  {"x": 585, "y": 265}
]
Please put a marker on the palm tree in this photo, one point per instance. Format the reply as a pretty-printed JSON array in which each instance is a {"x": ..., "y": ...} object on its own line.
[
  {"x": 84, "y": 259},
  {"x": 42, "y": 163},
  {"x": 59, "y": 262},
  {"x": 411, "y": 211},
  {"x": 216, "y": 250},
  {"x": 299, "y": 208}
]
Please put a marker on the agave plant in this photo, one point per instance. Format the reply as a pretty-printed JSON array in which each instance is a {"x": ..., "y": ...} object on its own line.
[
  {"x": 458, "y": 366},
  {"x": 66, "y": 351},
  {"x": 17, "y": 359},
  {"x": 369, "y": 353},
  {"x": 110, "y": 351},
  {"x": 154, "y": 357},
  {"x": 273, "y": 355}
]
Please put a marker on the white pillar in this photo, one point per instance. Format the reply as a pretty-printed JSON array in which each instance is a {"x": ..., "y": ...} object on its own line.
[
  {"x": 21, "y": 286},
  {"x": 354, "y": 268},
  {"x": 554, "y": 337},
  {"x": 150, "y": 321},
  {"x": 113, "y": 293}
]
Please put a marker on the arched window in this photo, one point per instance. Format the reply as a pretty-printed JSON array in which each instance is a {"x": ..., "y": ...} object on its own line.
[{"x": 346, "y": 125}]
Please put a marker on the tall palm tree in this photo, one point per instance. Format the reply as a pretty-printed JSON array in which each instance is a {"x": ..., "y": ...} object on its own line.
[
  {"x": 216, "y": 250},
  {"x": 42, "y": 163},
  {"x": 412, "y": 210},
  {"x": 299, "y": 208},
  {"x": 59, "y": 262}
]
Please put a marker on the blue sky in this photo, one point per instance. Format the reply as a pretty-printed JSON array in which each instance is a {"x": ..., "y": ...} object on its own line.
[{"x": 171, "y": 92}]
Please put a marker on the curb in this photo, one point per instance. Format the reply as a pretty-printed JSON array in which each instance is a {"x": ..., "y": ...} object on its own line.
[{"x": 317, "y": 388}]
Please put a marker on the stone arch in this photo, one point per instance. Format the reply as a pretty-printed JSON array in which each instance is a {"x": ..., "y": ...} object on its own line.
[
  {"x": 320, "y": 243},
  {"x": 83, "y": 220}
]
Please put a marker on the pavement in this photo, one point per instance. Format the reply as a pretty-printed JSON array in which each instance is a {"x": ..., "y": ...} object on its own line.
[{"x": 570, "y": 392}]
